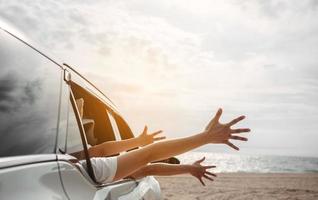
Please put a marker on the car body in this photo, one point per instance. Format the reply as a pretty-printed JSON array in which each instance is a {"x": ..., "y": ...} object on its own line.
[{"x": 42, "y": 125}]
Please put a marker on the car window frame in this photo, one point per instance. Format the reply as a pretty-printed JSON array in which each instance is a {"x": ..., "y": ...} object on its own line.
[
  {"x": 71, "y": 76},
  {"x": 89, "y": 167}
]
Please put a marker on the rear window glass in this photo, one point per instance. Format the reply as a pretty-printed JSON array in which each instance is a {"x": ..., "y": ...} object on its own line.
[{"x": 29, "y": 97}]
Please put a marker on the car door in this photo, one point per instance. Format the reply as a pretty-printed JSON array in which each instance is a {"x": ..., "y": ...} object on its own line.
[{"x": 77, "y": 181}]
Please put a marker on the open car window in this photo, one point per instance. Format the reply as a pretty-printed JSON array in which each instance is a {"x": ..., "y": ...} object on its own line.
[
  {"x": 94, "y": 112},
  {"x": 101, "y": 122}
]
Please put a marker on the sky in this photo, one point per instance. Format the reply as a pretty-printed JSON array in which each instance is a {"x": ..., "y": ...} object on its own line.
[{"x": 171, "y": 64}]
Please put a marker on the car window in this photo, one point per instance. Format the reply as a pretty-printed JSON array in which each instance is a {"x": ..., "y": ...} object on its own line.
[
  {"x": 29, "y": 99},
  {"x": 93, "y": 110},
  {"x": 63, "y": 119},
  {"x": 74, "y": 141}
]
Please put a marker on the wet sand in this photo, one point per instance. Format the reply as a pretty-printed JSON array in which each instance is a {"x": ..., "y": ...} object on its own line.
[{"x": 242, "y": 186}]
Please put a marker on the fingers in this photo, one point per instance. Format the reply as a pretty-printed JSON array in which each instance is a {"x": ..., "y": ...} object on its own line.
[
  {"x": 217, "y": 115},
  {"x": 145, "y": 129},
  {"x": 232, "y": 145},
  {"x": 201, "y": 160},
  {"x": 234, "y": 121},
  {"x": 216, "y": 118},
  {"x": 200, "y": 179},
  {"x": 207, "y": 177},
  {"x": 210, "y": 173},
  {"x": 234, "y": 137},
  {"x": 209, "y": 167},
  {"x": 156, "y": 133},
  {"x": 159, "y": 138},
  {"x": 240, "y": 130}
]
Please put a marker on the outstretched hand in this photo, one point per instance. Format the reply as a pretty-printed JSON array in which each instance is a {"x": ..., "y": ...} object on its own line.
[
  {"x": 199, "y": 171},
  {"x": 145, "y": 138},
  {"x": 222, "y": 133}
]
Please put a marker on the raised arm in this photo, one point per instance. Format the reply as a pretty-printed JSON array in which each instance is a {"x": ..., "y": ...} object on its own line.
[
  {"x": 161, "y": 169},
  {"x": 114, "y": 147},
  {"x": 214, "y": 133}
]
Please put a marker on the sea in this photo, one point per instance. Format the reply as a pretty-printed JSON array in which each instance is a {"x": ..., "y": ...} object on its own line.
[{"x": 253, "y": 163}]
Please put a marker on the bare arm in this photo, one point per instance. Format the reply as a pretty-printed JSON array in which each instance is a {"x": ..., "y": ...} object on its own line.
[
  {"x": 114, "y": 147},
  {"x": 214, "y": 133},
  {"x": 161, "y": 169}
]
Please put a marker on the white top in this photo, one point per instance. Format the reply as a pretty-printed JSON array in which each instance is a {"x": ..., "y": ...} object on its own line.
[{"x": 104, "y": 168}]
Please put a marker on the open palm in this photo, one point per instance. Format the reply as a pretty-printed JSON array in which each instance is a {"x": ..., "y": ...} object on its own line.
[
  {"x": 200, "y": 171},
  {"x": 222, "y": 133}
]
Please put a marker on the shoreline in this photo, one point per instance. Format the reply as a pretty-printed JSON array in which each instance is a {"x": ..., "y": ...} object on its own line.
[{"x": 242, "y": 186}]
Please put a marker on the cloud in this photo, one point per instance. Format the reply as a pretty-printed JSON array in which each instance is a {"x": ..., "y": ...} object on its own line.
[{"x": 168, "y": 57}]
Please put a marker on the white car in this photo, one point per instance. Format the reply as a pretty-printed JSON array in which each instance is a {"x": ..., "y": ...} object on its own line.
[{"x": 48, "y": 112}]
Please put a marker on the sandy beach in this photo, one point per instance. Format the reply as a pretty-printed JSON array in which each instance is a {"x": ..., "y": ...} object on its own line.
[{"x": 242, "y": 186}]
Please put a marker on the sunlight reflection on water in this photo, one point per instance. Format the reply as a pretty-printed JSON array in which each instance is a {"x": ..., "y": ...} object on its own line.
[{"x": 253, "y": 163}]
